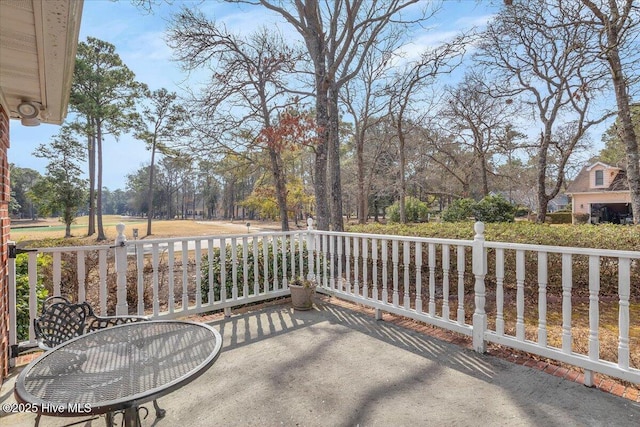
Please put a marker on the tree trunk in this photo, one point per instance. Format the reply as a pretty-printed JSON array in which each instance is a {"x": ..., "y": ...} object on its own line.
[
  {"x": 68, "y": 219},
  {"x": 543, "y": 201},
  {"x": 485, "y": 177},
  {"x": 101, "y": 235},
  {"x": 150, "y": 192},
  {"x": 403, "y": 182},
  {"x": 334, "y": 160},
  {"x": 320, "y": 165},
  {"x": 362, "y": 194},
  {"x": 624, "y": 114},
  {"x": 281, "y": 187},
  {"x": 91, "y": 146}
]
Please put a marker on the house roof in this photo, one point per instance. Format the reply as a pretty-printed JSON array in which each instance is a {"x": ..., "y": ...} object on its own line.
[
  {"x": 38, "y": 42},
  {"x": 582, "y": 183}
]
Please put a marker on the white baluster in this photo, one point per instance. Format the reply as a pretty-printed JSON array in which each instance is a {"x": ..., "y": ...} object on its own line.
[
  {"x": 332, "y": 249},
  {"x": 624, "y": 293},
  {"x": 356, "y": 266},
  {"x": 256, "y": 267},
  {"x": 340, "y": 279},
  {"x": 406, "y": 261},
  {"x": 198, "y": 262},
  {"x": 445, "y": 281},
  {"x": 57, "y": 273},
  {"x": 325, "y": 249},
  {"x": 223, "y": 269},
  {"x": 301, "y": 253},
  {"x": 460, "y": 266},
  {"x": 394, "y": 260},
  {"x": 385, "y": 273},
  {"x": 274, "y": 248},
  {"x": 500, "y": 291},
  {"x": 542, "y": 299},
  {"x": 82, "y": 274},
  {"x": 374, "y": 264},
  {"x": 140, "y": 280},
  {"x": 122, "y": 307},
  {"x": 316, "y": 247},
  {"x": 170, "y": 267},
  {"x": 210, "y": 261},
  {"x": 185, "y": 275},
  {"x": 347, "y": 264},
  {"x": 283, "y": 241},
  {"x": 567, "y": 282},
  {"x": 245, "y": 266},
  {"x": 292, "y": 249},
  {"x": 234, "y": 268},
  {"x": 365, "y": 267},
  {"x": 102, "y": 266},
  {"x": 419, "y": 277},
  {"x": 265, "y": 263},
  {"x": 155, "y": 261},
  {"x": 432, "y": 279},
  {"x": 520, "y": 276}
]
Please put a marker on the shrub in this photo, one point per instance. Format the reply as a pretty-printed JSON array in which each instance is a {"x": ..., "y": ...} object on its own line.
[
  {"x": 606, "y": 236},
  {"x": 561, "y": 217},
  {"x": 581, "y": 218},
  {"x": 414, "y": 209},
  {"x": 459, "y": 210},
  {"x": 489, "y": 209},
  {"x": 494, "y": 208},
  {"x": 264, "y": 283}
]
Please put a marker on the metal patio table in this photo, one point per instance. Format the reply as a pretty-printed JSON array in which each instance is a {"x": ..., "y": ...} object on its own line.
[{"x": 115, "y": 370}]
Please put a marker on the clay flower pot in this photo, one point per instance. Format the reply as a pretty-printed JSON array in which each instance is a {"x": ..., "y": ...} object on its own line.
[{"x": 302, "y": 291}]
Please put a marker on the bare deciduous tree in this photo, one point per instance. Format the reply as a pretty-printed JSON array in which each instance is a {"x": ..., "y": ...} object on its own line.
[
  {"x": 248, "y": 90},
  {"x": 338, "y": 36},
  {"x": 617, "y": 23},
  {"x": 479, "y": 119},
  {"x": 403, "y": 89},
  {"x": 550, "y": 67}
]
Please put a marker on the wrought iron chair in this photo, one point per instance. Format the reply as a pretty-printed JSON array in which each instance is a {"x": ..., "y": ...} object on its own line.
[{"x": 62, "y": 320}]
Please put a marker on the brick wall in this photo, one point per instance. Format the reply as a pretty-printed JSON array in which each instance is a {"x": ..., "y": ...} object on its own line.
[{"x": 4, "y": 237}]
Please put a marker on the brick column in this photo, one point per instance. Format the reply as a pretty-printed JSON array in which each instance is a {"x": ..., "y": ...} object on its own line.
[{"x": 5, "y": 191}]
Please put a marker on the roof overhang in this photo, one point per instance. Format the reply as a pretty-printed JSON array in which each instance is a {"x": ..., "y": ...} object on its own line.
[
  {"x": 591, "y": 193},
  {"x": 38, "y": 42}
]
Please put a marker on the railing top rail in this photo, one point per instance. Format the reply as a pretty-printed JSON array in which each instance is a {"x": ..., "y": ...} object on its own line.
[
  {"x": 73, "y": 248},
  {"x": 396, "y": 237},
  {"x": 213, "y": 236},
  {"x": 563, "y": 249}
]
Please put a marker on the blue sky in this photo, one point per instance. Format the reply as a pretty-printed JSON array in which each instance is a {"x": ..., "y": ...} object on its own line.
[{"x": 139, "y": 40}]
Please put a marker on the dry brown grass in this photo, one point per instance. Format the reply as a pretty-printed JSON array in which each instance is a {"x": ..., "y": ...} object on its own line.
[{"x": 52, "y": 228}]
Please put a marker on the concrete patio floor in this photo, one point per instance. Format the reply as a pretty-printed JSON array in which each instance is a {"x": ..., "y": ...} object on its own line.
[{"x": 333, "y": 366}]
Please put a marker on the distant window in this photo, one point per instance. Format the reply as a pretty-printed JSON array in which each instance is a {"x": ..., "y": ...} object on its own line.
[{"x": 599, "y": 178}]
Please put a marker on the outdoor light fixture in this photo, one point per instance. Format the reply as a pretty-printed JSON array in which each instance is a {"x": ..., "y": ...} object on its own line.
[{"x": 29, "y": 113}]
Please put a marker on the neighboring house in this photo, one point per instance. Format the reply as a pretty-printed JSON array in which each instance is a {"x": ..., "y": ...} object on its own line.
[
  {"x": 558, "y": 203},
  {"x": 38, "y": 42},
  {"x": 602, "y": 192}
]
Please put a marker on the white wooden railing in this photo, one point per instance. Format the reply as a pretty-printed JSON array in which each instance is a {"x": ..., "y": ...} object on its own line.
[{"x": 446, "y": 283}]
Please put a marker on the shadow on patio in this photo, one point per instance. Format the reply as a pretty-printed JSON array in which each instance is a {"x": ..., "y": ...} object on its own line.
[{"x": 336, "y": 367}]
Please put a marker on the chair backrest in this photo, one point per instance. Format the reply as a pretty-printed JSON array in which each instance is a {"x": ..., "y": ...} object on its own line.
[{"x": 60, "y": 321}]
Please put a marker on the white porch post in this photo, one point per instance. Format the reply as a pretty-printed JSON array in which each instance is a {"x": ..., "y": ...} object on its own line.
[
  {"x": 479, "y": 261},
  {"x": 310, "y": 249},
  {"x": 122, "y": 307}
]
